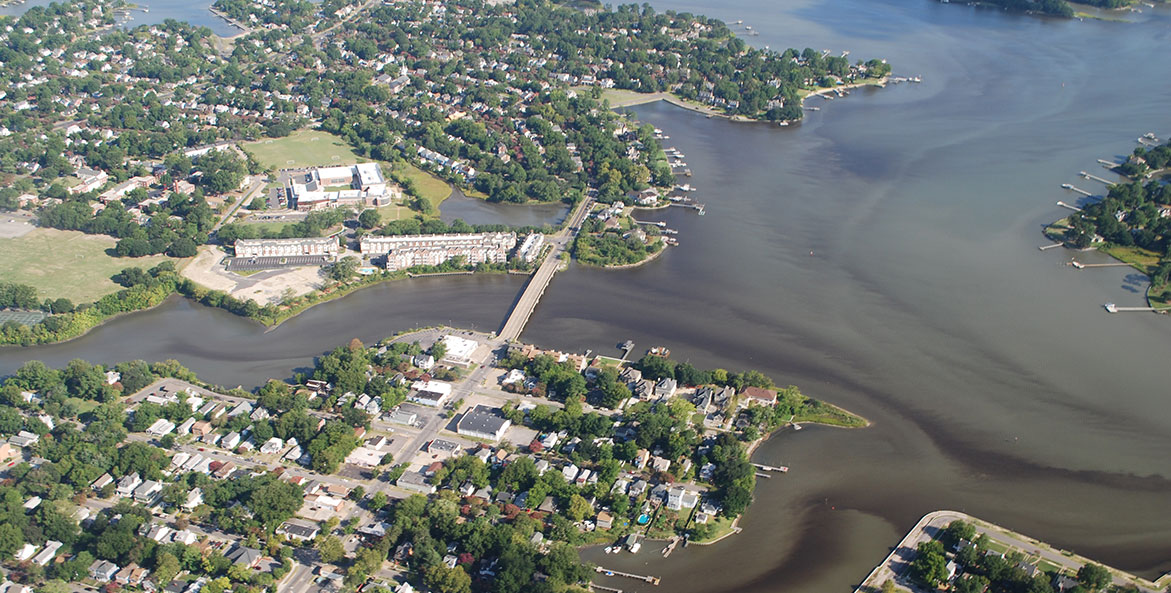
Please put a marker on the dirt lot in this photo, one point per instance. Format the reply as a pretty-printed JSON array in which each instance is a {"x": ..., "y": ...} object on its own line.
[
  {"x": 15, "y": 225},
  {"x": 264, "y": 287}
]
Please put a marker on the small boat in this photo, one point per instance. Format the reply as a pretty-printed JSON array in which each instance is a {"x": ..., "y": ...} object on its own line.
[
  {"x": 660, "y": 351},
  {"x": 627, "y": 345},
  {"x": 1111, "y": 307}
]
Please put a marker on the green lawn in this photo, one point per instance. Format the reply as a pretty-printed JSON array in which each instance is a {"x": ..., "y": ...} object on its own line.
[
  {"x": 1143, "y": 259},
  {"x": 303, "y": 148},
  {"x": 429, "y": 186},
  {"x": 66, "y": 264}
]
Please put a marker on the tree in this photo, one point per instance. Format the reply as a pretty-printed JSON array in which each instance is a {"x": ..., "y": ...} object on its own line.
[
  {"x": 166, "y": 568},
  {"x": 369, "y": 218},
  {"x": 1093, "y": 576},
  {"x": 442, "y": 579},
  {"x": 330, "y": 549},
  {"x": 957, "y": 531},
  {"x": 888, "y": 586},
  {"x": 579, "y": 507},
  {"x": 930, "y": 564},
  {"x": 343, "y": 269}
]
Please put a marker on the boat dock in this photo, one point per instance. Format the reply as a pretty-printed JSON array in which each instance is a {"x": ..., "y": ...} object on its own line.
[
  {"x": 694, "y": 206},
  {"x": 771, "y": 468},
  {"x": 1070, "y": 206},
  {"x": 1096, "y": 178},
  {"x": 1112, "y": 308},
  {"x": 671, "y": 546},
  {"x": 1079, "y": 190},
  {"x": 661, "y": 225},
  {"x": 1047, "y": 247},
  {"x": 1109, "y": 164},
  {"x": 637, "y": 577},
  {"x": 594, "y": 587},
  {"x": 1082, "y": 266}
]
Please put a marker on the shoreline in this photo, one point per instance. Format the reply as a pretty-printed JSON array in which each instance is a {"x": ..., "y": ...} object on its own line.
[
  {"x": 652, "y": 257},
  {"x": 1062, "y": 559}
]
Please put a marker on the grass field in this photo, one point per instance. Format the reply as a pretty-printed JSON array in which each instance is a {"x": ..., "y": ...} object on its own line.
[
  {"x": 66, "y": 264},
  {"x": 430, "y": 187},
  {"x": 303, "y": 148}
]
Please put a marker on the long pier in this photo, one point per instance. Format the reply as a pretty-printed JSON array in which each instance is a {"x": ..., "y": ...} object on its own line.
[
  {"x": 771, "y": 468},
  {"x": 539, "y": 281},
  {"x": 637, "y": 577},
  {"x": 1072, "y": 187},
  {"x": 1096, "y": 178},
  {"x": 594, "y": 587},
  {"x": 1081, "y": 266},
  {"x": 1109, "y": 164},
  {"x": 1112, "y": 308},
  {"x": 1047, "y": 247},
  {"x": 1070, "y": 206}
]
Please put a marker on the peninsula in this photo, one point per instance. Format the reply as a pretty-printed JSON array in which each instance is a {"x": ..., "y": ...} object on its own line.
[
  {"x": 440, "y": 459},
  {"x": 1132, "y": 222},
  {"x": 965, "y": 554}
]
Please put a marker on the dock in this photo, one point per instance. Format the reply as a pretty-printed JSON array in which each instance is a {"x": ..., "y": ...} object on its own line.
[
  {"x": 1079, "y": 190},
  {"x": 671, "y": 546},
  {"x": 771, "y": 468},
  {"x": 694, "y": 206},
  {"x": 1070, "y": 206},
  {"x": 1051, "y": 246},
  {"x": 763, "y": 475},
  {"x": 594, "y": 587},
  {"x": 1109, "y": 164},
  {"x": 661, "y": 225},
  {"x": 1112, "y": 308},
  {"x": 1082, "y": 266},
  {"x": 1096, "y": 178},
  {"x": 637, "y": 577}
]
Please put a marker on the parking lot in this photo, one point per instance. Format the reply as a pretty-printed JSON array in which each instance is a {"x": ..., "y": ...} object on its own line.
[{"x": 244, "y": 264}]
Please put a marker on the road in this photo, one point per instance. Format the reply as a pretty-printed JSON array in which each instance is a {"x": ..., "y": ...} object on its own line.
[
  {"x": 519, "y": 316},
  {"x": 898, "y": 563},
  {"x": 257, "y": 184}
]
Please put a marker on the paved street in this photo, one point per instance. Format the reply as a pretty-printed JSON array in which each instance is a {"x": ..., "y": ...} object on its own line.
[{"x": 898, "y": 563}]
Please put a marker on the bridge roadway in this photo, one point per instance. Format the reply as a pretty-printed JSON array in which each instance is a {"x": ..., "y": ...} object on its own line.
[{"x": 539, "y": 281}]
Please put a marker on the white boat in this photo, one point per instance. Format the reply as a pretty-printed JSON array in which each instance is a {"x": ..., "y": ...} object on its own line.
[{"x": 1111, "y": 307}]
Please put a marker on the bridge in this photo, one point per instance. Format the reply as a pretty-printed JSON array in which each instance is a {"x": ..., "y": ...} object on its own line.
[{"x": 539, "y": 281}]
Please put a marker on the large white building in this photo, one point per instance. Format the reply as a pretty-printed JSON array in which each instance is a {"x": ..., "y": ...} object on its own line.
[
  {"x": 330, "y": 187},
  {"x": 530, "y": 248},
  {"x": 407, "y": 251},
  {"x": 287, "y": 247}
]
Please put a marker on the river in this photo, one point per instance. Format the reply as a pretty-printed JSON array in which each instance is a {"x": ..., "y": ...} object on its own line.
[{"x": 883, "y": 256}]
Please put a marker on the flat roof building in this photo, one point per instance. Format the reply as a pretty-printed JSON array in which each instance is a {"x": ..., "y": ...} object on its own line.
[
  {"x": 407, "y": 251},
  {"x": 483, "y": 422},
  {"x": 326, "y": 246}
]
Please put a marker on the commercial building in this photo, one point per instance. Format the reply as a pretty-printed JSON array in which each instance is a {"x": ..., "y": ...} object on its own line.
[
  {"x": 407, "y": 251},
  {"x": 484, "y": 423},
  {"x": 331, "y": 187},
  {"x": 459, "y": 349},
  {"x": 429, "y": 393},
  {"x": 324, "y": 246}
]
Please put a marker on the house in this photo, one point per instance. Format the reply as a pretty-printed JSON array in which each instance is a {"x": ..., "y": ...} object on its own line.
[
  {"x": 127, "y": 484},
  {"x": 642, "y": 458},
  {"x": 605, "y": 520},
  {"x": 7, "y": 451},
  {"x": 147, "y": 493},
  {"x": 483, "y": 422},
  {"x": 46, "y": 555},
  {"x": 25, "y": 552},
  {"x": 103, "y": 571},
  {"x": 32, "y": 503},
  {"x": 679, "y": 498},
  {"x": 230, "y": 440},
  {"x": 424, "y": 361},
  {"x": 103, "y": 481},
  {"x": 131, "y": 574},
  {"x": 1063, "y": 583},
  {"x": 272, "y": 445},
  {"x": 201, "y": 428},
  {"x": 194, "y": 498},
  {"x": 298, "y": 531},
  {"x": 243, "y": 556},
  {"x": 666, "y": 387},
  {"x": 23, "y": 439},
  {"x": 760, "y": 395},
  {"x": 415, "y": 482},
  {"x": 161, "y": 427},
  {"x": 185, "y": 428},
  {"x": 184, "y": 537}
]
